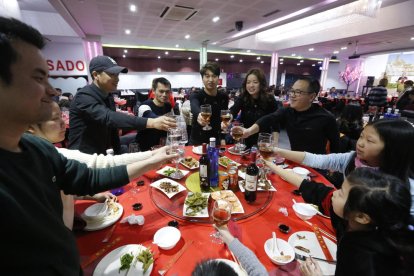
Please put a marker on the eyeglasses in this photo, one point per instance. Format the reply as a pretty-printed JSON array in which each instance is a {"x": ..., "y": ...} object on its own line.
[{"x": 297, "y": 92}]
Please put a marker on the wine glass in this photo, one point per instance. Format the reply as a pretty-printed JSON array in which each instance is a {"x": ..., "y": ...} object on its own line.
[
  {"x": 183, "y": 126},
  {"x": 265, "y": 145},
  {"x": 225, "y": 118},
  {"x": 206, "y": 114},
  {"x": 237, "y": 133},
  {"x": 175, "y": 147},
  {"x": 221, "y": 214}
]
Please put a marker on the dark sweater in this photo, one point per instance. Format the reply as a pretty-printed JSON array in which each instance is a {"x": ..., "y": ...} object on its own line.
[
  {"x": 94, "y": 122},
  {"x": 218, "y": 103},
  {"x": 34, "y": 239},
  {"x": 308, "y": 130}
]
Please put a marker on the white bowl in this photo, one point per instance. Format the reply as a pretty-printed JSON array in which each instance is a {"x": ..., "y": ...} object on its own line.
[
  {"x": 167, "y": 237},
  {"x": 96, "y": 211},
  {"x": 301, "y": 171},
  {"x": 283, "y": 246},
  {"x": 304, "y": 211}
]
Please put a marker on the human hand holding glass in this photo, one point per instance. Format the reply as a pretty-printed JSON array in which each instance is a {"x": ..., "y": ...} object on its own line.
[
  {"x": 225, "y": 119},
  {"x": 205, "y": 112},
  {"x": 237, "y": 134},
  {"x": 265, "y": 145},
  {"x": 221, "y": 214},
  {"x": 175, "y": 146}
]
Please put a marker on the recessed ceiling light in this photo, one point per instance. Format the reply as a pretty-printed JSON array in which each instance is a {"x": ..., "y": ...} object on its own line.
[
  {"x": 336, "y": 52},
  {"x": 301, "y": 60},
  {"x": 215, "y": 19},
  {"x": 231, "y": 56},
  {"x": 124, "y": 56},
  {"x": 258, "y": 58},
  {"x": 297, "y": 64},
  {"x": 133, "y": 8},
  {"x": 166, "y": 52},
  {"x": 187, "y": 36},
  {"x": 314, "y": 65},
  {"x": 127, "y": 31},
  {"x": 281, "y": 63},
  {"x": 241, "y": 60},
  {"x": 293, "y": 55},
  {"x": 189, "y": 58},
  {"x": 311, "y": 49},
  {"x": 248, "y": 51},
  {"x": 216, "y": 59},
  {"x": 262, "y": 61},
  {"x": 412, "y": 38},
  {"x": 159, "y": 57},
  {"x": 214, "y": 43},
  {"x": 176, "y": 45},
  {"x": 125, "y": 51},
  {"x": 319, "y": 62},
  {"x": 344, "y": 48},
  {"x": 281, "y": 59}
]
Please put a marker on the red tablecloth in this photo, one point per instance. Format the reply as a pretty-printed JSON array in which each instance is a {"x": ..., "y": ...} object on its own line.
[{"x": 253, "y": 232}]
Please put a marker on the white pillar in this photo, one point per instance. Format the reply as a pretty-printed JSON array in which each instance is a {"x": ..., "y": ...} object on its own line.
[
  {"x": 273, "y": 68},
  {"x": 10, "y": 8},
  {"x": 324, "y": 71},
  {"x": 92, "y": 47},
  {"x": 203, "y": 54}
]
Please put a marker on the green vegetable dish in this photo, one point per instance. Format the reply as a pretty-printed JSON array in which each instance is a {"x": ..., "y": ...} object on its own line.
[
  {"x": 128, "y": 259},
  {"x": 195, "y": 203}
]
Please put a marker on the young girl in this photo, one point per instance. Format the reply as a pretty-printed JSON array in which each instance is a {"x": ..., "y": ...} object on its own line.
[
  {"x": 374, "y": 209},
  {"x": 386, "y": 145}
]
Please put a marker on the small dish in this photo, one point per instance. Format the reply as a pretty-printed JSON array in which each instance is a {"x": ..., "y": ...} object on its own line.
[
  {"x": 224, "y": 161},
  {"x": 237, "y": 207},
  {"x": 301, "y": 171},
  {"x": 232, "y": 151},
  {"x": 167, "y": 171},
  {"x": 304, "y": 211},
  {"x": 260, "y": 188},
  {"x": 96, "y": 211},
  {"x": 167, "y": 237},
  {"x": 203, "y": 213},
  {"x": 285, "y": 247},
  {"x": 198, "y": 150},
  {"x": 169, "y": 187},
  {"x": 190, "y": 163}
]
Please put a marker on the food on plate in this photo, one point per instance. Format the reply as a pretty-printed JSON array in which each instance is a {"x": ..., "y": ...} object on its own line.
[
  {"x": 195, "y": 203},
  {"x": 112, "y": 207},
  {"x": 230, "y": 197},
  {"x": 301, "y": 248},
  {"x": 282, "y": 258},
  {"x": 144, "y": 256},
  {"x": 170, "y": 171},
  {"x": 168, "y": 187},
  {"x": 224, "y": 161},
  {"x": 126, "y": 261},
  {"x": 300, "y": 237},
  {"x": 190, "y": 162}
]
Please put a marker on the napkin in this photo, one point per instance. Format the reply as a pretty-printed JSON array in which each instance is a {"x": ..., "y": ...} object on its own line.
[{"x": 133, "y": 219}]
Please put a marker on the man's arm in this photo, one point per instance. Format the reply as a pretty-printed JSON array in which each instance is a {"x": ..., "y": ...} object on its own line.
[{"x": 271, "y": 119}]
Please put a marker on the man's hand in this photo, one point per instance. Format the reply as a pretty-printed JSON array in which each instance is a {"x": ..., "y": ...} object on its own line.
[
  {"x": 310, "y": 268},
  {"x": 160, "y": 157},
  {"x": 161, "y": 123},
  {"x": 101, "y": 197},
  {"x": 201, "y": 121}
]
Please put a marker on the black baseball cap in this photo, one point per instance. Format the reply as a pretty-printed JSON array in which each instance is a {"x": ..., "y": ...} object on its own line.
[{"x": 106, "y": 64}]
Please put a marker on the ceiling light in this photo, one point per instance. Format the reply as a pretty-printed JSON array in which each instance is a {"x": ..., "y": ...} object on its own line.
[
  {"x": 311, "y": 49},
  {"x": 248, "y": 51},
  {"x": 301, "y": 60},
  {"x": 216, "y": 59},
  {"x": 166, "y": 52},
  {"x": 314, "y": 65},
  {"x": 159, "y": 57},
  {"x": 176, "y": 45},
  {"x": 214, "y": 43},
  {"x": 336, "y": 52},
  {"x": 344, "y": 48},
  {"x": 293, "y": 55},
  {"x": 127, "y": 31},
  {"x": 241, "y": 60},
  {"x": 124, "y": 56},
  {"x": 262, "y": 61},
  {"x": 215, "y": 19},
  {"x": 281, "y": 59},
  {"x": 125, "y": 51},
  {"x": 231, "y": 56},
  {"x": 412, "y": 38},
  {"x": 133, "y": 8},
  {"x": 189, "y": 58},
  {"x": 258, "y": 58},
  {"x": 297, "y": 64},
  {"x": 187, "y": 36},
  {"x": 281, "y": 63}
]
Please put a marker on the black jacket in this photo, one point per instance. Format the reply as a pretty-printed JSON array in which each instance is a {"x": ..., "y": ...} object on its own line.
[{"x": 94, "y": 122}]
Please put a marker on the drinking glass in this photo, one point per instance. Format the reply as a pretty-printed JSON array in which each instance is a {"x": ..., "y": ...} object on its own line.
[
  {"x": 175, "y": 147},
  {"x": 237, "y": 133},
  {"x": 225, "y": 118},
  {"x": 221, "y": 214},
  {"x": 206, "y": 114},
  {"x": 265, "y": 145},
  {"x": 183, "y": 126}
]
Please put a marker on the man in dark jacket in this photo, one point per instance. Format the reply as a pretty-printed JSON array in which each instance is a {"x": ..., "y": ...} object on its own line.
[{"x": 93, "y": 120}]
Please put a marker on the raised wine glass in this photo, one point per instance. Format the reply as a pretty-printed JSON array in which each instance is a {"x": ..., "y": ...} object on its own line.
[
  {"x": 237, "y": 133},
  {"x": 225, "y": 118},
  {"x": 205, "y": 111},
  {"x": 265, "y": 145},
  {"x": 175, "y": 147},
  {"x": 221, "y": 214}
]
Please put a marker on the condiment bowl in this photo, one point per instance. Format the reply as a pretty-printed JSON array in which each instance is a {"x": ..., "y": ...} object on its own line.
[
  {"x": 167, "y": 237},
  {"x": 276, "y": 257},
  {"x": 304, "y": 211}
]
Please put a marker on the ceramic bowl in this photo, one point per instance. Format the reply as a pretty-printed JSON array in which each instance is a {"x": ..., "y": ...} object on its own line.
[
  {"x": 304, "y": 211},
  {"x": 301, "y": 171},
  {"x": 96, "y": 211},
  {"x": 167, "y": 237},
  {"x": 285, "y": 247}
]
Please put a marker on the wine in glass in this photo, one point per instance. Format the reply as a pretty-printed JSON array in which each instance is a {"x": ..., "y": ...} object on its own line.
[
  {"x": 205, "y": 111},
  {"x": 221, "y": 214},
  {"x": 237, "y": 134},
  {"x": 265, "y": 145},
  {"x": 225, "y": 118}
]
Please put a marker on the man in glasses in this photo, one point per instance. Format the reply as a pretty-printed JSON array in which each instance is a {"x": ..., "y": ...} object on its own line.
[
  {"x": 308, "y": 125},
  {"x": 94, "y": 122},
  {"x": 154, "y": 108}
]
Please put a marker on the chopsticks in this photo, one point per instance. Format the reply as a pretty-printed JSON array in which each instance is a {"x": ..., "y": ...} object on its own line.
[
  {"x": 323, "y": 232},
  {"x": 99, "y": 253}
]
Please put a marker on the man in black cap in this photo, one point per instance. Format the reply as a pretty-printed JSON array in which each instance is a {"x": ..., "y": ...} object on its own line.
[{"x": 94, "y": 122}]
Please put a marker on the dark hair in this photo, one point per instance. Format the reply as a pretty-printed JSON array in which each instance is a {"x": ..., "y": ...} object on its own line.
[
  {"x": 213, "y": 268},
  {"x": 408, "y": 83},
  {"x": 12, "y": 30},
  {"x": 350, "y": 122},
  {"x": 397, "y": 156},
  {"x": 387, "y": 201},
  {"x": 383, "y": 82},
  {"x": 264, "y": 97},
  {"x": 160, "y": 80},
  {"x": 314, "y": 85},
  {"x": 212, "y": 66},
  {"x": 404, "y": 100}
]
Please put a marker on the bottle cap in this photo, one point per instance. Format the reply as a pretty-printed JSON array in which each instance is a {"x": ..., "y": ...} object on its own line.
[{"x": 212, "y": 139}]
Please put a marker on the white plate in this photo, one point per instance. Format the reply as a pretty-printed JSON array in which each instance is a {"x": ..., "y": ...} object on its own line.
[
  {"x": 201, "y": 214},
  {"x": 110, "y": 264},
  {"x": 108, "y": 220},
  {"x": 243, "y": 174},
  {"x": 229, "y": 160},
  {"x": 157, "y": 184},
  {"x": 231, "y": 150},
  {"x": 198, "y": 150},
  {"x": 259, "y": 188},
  {"x": 196, "y": 165},
  {"x": 311, "y": 242},
  {"x": 234, "y": 265},
  {"x": 162, "y": 172},
  {"x": 231, "y": 197}
]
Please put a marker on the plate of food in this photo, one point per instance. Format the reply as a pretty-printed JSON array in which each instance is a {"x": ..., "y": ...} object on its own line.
[
  {"x": 169, "y": 187},
  {"x": 237, "y": 207},
  {"x": 168, "y": 171},
  {"x": 196, "y": 205},
  {"x": 224, "y": 161},
  {"x": 190, "y": 163},
  {"x": 198, "y": 150},
  {"x": 305, "y": 243},
  {"x": 131, "y": 259},
  {"x": 233, "y": 151},
  {"x": 113, "y": 213},
  {"x": 261, "y": 186}
]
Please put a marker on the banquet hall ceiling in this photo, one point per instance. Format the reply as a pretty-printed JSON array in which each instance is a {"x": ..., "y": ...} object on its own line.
[{"x": 150, "y": 26}]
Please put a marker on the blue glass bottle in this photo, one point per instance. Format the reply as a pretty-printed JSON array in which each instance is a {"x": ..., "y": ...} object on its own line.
[{"x": 213, "y": 153}]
